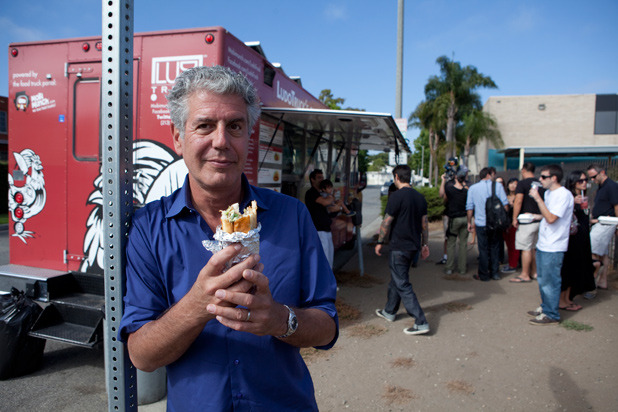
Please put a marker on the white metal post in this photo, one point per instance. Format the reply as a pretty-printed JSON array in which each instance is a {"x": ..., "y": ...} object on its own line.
[{"x": 117, "y": 173}]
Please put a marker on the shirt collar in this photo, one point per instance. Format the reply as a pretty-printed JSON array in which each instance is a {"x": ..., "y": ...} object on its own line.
[{"x": 182, "y": 198}]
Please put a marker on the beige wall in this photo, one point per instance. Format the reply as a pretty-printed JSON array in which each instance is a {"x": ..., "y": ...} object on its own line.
[{"x": 567, "y": 120}]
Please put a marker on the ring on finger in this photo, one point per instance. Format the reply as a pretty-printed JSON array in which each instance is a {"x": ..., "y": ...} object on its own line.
[{"x": 248, "y": 316}]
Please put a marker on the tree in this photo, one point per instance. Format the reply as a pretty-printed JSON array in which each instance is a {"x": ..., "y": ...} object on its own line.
[
  {"x": 333, "y": 103},
  {"x": 458, "y": 84},
  {"x": 429, "y": 115},
  {"x": 377, "y": 162},
  {"x": 478, "y": 125}
]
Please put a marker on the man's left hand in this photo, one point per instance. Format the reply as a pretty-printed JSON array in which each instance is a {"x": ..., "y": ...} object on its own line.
[{"x": 261, "y": 315}]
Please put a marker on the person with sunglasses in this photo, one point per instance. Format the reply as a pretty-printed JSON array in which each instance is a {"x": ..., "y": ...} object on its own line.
[
  {"x": 557, "y": 211},
  {"x": 527, "y": 232},
  {"x": 605, "y": 204}
]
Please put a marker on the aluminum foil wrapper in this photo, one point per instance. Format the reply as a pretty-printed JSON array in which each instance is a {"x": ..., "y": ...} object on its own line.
[{"x": 250, "y": 242}]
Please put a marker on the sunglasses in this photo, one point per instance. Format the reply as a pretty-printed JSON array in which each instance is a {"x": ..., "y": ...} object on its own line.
[
  {"x": 592, "y": 177},
  {"x": 543, "y": 177},
  {"x": 582, "y": 180}
]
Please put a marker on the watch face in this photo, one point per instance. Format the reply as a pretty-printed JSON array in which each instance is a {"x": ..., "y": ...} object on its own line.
[{"x": 294, "y": 323}]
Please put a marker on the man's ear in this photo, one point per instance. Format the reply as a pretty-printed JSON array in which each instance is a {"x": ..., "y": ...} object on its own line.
[{"x": 177, "y": 140}]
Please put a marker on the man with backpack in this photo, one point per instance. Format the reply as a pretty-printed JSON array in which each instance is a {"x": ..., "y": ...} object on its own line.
[{"x": 481, "y": 199}]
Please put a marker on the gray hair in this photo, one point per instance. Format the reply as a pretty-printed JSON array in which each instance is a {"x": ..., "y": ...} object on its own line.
[{"x": 216, "y": 79}]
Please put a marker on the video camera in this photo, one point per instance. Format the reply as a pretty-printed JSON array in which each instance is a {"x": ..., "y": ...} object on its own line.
[
  {"x": 451, "y": 167},
  {"x": 454, "y": 170}
]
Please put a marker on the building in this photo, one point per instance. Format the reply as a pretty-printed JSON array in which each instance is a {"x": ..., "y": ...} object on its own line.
[{"x": 550, "y": 129}]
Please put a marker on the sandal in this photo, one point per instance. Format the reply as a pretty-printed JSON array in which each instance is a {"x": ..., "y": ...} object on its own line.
[
  {"x": 519, "y": 279},
  {"x": 572, "y": 307}
]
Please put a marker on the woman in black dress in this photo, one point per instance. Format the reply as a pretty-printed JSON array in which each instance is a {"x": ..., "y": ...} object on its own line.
[{"x": 577, "y": 269}]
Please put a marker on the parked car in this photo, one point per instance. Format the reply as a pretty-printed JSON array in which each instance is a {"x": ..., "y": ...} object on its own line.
[{"x": 384, "y": 188}]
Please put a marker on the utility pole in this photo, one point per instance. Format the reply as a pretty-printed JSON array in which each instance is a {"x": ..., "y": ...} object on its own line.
[{"x": 399, "y": 77}]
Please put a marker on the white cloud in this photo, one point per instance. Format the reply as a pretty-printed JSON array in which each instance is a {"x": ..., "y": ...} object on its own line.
[
  {"x": 336, "y": 12},
  {"x": 19, "y": 33}
]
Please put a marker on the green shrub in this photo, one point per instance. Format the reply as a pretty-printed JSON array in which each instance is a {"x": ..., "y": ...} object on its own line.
[{"x": 435, "y": 204}]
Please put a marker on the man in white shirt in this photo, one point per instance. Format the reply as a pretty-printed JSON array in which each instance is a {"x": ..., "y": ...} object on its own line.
[{"x": 556, "y": 211}]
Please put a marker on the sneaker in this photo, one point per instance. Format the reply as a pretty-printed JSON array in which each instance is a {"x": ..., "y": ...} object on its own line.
[
  {"x": 417, "y": 329},
  {"x": 508, "y": 269},
  {"x": 534, "y": 313},
  {"x": 496, "y": 277},
  {"x": 543, "y": 320},
  {"x": 384, "y": 315},
  {"x": 590, "y": 295},
  {"x": 448, "y": 272},
  {"x": 441, "y": 262}
]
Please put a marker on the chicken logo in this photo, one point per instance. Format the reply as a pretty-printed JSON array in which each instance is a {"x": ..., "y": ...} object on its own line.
[
  {"x": 157, "y": 172},
  {"x": 26, "y": 191}
]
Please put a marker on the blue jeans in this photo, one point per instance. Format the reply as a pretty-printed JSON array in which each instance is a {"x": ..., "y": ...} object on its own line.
[
  {"x": 400, "y": 288},
  {"x": 548, "y": 266},
  {"x": 488, "y": 252}
]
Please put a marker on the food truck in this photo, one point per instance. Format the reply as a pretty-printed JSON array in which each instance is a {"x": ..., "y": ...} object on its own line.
[{"x": 55, "y": 179}]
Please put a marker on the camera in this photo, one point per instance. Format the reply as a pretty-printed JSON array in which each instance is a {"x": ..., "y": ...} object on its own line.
[{"x": 451, "y": 167}]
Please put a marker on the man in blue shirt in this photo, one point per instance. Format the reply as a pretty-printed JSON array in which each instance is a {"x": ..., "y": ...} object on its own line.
[
  {"x": 488, "y": 240},
  {"x": 230, "y": 338}
]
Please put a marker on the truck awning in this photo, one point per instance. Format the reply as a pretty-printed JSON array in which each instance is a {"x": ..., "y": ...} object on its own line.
[{"x": 370, "y": 131}]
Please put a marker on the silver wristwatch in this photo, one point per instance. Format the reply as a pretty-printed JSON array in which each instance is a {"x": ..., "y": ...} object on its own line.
[{"x": 292, "y": 323}]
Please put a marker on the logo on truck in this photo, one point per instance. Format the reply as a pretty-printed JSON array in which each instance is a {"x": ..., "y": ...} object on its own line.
[
  {"x": 166, "y": 69},
  {"x": 26, "y": 191},
  {"x": 157, "y": 172}
]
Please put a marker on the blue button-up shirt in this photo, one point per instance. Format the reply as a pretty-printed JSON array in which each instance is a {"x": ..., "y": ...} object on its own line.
[
  {"x": 478, "y": 195},
  {"x": 224, "y": 369}
]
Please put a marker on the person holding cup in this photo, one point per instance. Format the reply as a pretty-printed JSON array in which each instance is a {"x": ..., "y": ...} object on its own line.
[{"x": 577, "y": 268}]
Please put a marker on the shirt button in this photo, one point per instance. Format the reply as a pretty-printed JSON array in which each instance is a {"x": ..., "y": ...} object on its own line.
[
  {"x": 236, "y": 362},
  {"x": 239, "y": 396}
]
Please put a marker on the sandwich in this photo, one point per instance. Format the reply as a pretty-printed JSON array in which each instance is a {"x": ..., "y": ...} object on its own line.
[{"x": 232, "y": 221}]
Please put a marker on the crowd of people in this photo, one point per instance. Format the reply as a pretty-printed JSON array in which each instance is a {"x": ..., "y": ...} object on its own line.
[{"x": 552, "y": 236}]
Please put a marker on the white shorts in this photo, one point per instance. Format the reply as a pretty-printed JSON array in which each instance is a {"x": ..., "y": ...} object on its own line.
[
  {"x": 600, "y": 236},
  {"x": 526, "y": 236},
  {"x": 326, "y": 239}
]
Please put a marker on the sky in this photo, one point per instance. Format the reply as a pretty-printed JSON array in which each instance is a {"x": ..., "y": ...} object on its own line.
[{"x": 527, "y": 47}]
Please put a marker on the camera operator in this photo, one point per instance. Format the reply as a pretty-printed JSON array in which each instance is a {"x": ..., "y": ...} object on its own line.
[{"x": 454, "y": 191}]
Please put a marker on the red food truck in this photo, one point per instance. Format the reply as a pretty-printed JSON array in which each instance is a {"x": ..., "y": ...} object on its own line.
[{"x": 55, "y": 180}]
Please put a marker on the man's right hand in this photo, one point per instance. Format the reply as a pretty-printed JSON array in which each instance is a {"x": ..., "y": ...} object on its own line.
[
  {"x": 213, "y": 278},
  {"x": 515, "y": 223}
]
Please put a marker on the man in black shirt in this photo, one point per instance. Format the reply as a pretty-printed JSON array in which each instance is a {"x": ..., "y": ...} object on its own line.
[
  {"x": 454, "y": 192},
  {"x": 405, "y": 221},
  {"x": 527, "y": 233},
  {"x": 317, "y": 206},
  {"x": 605, "y": 204}
]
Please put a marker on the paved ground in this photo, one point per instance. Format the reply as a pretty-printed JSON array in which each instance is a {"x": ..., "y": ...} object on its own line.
[{"x": 481, "y": 353}]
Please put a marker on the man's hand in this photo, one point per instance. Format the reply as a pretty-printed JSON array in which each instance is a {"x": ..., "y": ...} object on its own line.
[
  {"x": 378, "y": 250},
  {"x": 211, "y": 279},
  {"x": 515, "y": 223},
  {"x": 252, "y": 311},
  {"x": 424, "y": 252}
]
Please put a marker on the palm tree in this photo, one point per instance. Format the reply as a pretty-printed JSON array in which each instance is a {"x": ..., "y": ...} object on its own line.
[
  {"x": 477, "y": 126},
  {"x": 458, "y": 84},
  {"x": 428, "y": 115}
]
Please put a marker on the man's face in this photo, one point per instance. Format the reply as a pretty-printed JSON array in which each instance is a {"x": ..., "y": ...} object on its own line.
[
  {"x": 594, "y": 176},
  {"x": 315, "y": 182},
  {"x": 216, "y": 140},
  {"x": 546, "y": 179}
]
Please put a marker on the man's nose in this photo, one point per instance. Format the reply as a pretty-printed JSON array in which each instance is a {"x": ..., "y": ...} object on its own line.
[{"x": 220, "y": 137}]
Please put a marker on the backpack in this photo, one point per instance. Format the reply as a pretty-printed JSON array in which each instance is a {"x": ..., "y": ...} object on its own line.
[{"x": 495, "y": 213}]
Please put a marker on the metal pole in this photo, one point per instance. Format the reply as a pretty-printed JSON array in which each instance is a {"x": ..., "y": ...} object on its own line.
[
  {"x": 117, "y": 173},
  {"x": 399, "y": 86}
]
